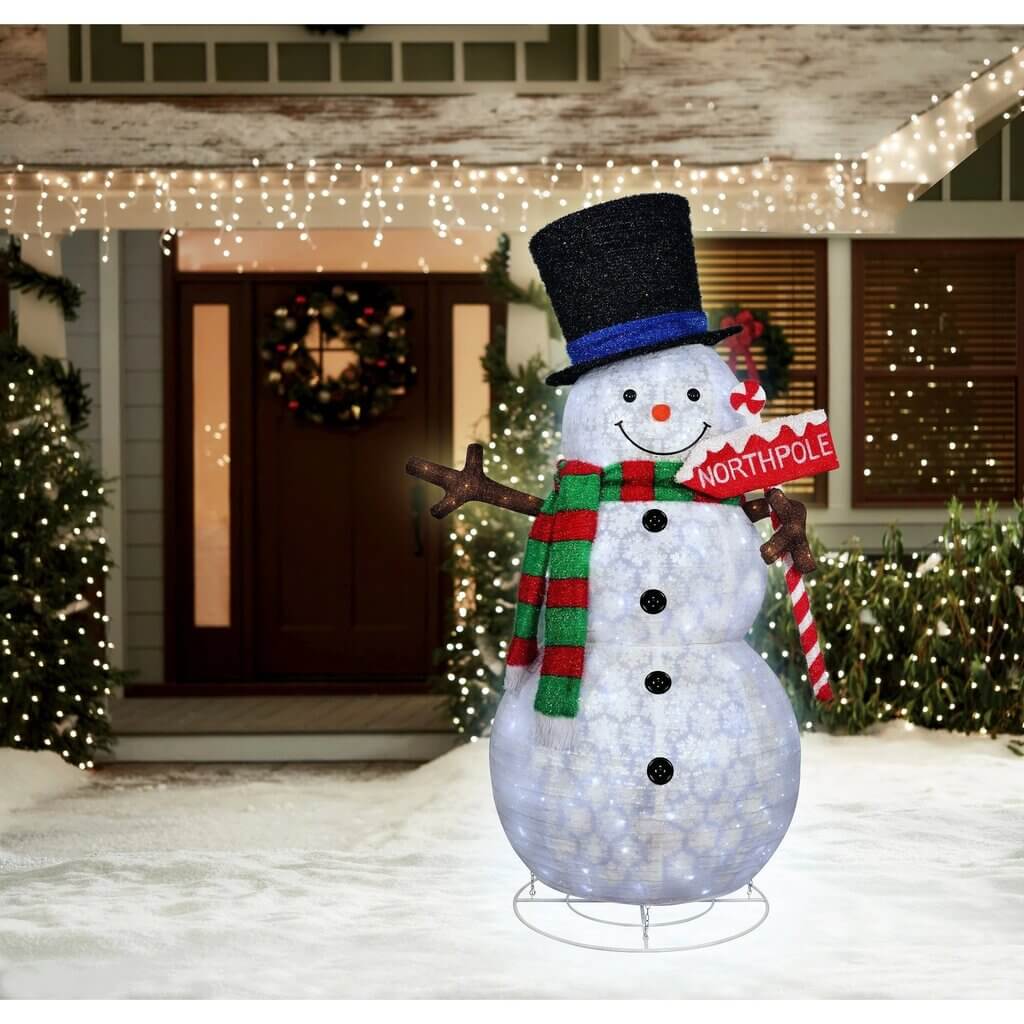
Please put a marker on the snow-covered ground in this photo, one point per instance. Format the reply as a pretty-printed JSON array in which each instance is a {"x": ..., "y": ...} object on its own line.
[
  {"x": 902, "y": 875},
  {"x": 28, "y": 776}
]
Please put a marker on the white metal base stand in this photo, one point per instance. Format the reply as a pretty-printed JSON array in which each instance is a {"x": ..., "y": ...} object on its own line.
[{"x": 564, "y": 918}]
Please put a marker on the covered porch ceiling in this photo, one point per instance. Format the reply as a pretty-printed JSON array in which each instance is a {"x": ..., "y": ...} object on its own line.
[
  {"x": 802, "y": 128},
  {"x": 705, "y": 94}
]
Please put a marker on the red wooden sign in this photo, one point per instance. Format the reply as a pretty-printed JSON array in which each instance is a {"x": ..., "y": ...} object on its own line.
[{"x": 766, "y": 455}]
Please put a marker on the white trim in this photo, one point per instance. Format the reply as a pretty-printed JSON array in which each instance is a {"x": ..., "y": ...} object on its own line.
[
  {"x": 382, "y": 746},
  {"x": 840, "y": 370},
  {"x": 58, "y": 58},
  {"x": 1005, "y": 162},
  {"x": 958, "y": 219},
  {"x": 111, "y": 447},
  {"x": 86, "y": 58}
]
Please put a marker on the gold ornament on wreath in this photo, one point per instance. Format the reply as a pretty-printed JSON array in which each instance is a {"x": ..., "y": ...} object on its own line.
[{"x": 340, "y": 356}]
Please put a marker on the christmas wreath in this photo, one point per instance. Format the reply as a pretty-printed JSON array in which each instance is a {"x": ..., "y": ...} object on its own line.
[
  {"x": 340, "y": 356},
  {"x": 759, "y": 337}
]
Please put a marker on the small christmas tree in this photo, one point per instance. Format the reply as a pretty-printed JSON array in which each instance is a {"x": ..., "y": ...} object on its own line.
[
  {"x": 487, "y": 542},
  {"x": 54, "y": 670}
]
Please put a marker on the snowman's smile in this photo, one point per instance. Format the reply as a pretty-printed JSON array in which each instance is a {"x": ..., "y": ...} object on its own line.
[{"x": 651, "y": 451}]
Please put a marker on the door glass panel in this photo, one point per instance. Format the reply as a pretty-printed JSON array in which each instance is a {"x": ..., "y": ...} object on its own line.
[
  {"x": 211, "y": 464},
  {"x": 471, "y": 329}
]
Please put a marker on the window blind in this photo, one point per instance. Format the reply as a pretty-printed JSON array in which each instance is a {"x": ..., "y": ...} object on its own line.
[
  {"x": 785, "y": 279},
  {"x": 937, "y": 362}
]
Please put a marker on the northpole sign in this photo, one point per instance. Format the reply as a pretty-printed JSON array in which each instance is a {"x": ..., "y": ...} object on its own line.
[{"x": 762, "y": 456}]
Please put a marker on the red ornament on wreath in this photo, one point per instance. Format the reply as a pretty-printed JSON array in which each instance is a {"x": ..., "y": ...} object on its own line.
[{"x": 365, "y": 325}]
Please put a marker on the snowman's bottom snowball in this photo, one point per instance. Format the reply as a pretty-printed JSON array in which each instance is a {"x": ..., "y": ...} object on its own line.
[{"x": 589, "y": 821}]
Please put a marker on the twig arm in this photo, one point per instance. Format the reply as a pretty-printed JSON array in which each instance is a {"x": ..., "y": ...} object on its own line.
[
  {"x": 791, "y": 535},
  {"x": 470, "y": 484}
]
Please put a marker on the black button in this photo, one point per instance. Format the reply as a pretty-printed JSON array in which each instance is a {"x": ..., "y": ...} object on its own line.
[
  {"x": 654, "y": 520},
  {"x": 653, "y": 601},
  {"x": 660, "y": 771},
  {"x": 658, "y": 682}
]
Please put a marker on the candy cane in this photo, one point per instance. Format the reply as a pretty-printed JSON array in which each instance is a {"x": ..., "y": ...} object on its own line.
[{"x": 801, "y": 604}]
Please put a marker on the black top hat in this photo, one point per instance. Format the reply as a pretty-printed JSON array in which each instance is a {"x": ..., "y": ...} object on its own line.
[{"x": 622, "y": 278}]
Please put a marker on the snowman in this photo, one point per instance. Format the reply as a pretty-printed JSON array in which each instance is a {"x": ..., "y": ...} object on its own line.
[{"x": 642, "y": 752}]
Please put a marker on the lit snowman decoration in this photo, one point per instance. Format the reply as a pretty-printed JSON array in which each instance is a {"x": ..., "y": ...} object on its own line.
[{"x": 643, "y": 752}]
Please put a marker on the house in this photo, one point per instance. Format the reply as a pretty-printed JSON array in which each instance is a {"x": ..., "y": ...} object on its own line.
[{"x": 278, "y": 588}]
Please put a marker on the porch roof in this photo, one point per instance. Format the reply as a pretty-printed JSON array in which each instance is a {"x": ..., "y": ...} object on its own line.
[{"x": 702, "y": 94}]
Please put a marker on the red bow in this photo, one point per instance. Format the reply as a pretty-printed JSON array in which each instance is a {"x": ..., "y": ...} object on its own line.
[{"x": 739, "y": 344}]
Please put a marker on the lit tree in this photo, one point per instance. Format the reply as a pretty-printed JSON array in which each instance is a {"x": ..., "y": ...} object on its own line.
[
  {"x": 54, "y": 669},
  {"x": 487, "y": 542}
]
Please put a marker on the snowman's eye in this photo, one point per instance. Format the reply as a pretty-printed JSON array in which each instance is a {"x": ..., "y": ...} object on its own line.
[
  {"x": 693, "y": 395},
  {"x": 629, "y": 395}
]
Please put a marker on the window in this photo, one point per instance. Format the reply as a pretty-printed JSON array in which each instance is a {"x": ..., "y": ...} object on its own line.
[
  {"x": 211, "y": 463},
  {"x": 787, "y": 280},
  {"x": 330, "y": 60},
  {"x": 937, "y": 359}
]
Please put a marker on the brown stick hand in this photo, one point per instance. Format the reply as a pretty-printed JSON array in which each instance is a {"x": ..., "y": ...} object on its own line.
[
  {"x": 470, "y": 484},
  {"x": 791, "y": 536}
]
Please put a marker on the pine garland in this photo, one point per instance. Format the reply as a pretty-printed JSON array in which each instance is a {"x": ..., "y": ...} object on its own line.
[
  {"x": 497, "y": 277},
  {"x": 65, "y": 381},
  {"x": 23, "y": 277}
]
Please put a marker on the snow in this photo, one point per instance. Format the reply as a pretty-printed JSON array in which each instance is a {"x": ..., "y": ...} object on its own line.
[
  {"x": 766, "y": 431},
  {"x": 902, "y": 875},
  {"x": 27, "y": 776}
]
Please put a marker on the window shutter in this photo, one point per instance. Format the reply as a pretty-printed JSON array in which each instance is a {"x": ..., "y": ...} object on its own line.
[
  {"x": 936, "y": 356},
  {"x": 785, "y": 279}
]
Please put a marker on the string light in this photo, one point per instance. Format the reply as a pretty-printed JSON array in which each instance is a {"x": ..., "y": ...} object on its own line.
[
  {"x": 455, "y": 199},
  {"x": 31, "y": 417},
  {"x": 932, "y": 142}
]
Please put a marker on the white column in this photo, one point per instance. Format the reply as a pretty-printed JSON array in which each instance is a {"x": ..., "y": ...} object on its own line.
[
  {"x": 840, "y": 371},
  {"x": 111, "y": 449},
  {"x": 40, "y": 321},
  {"x": 528, "y": 327}
]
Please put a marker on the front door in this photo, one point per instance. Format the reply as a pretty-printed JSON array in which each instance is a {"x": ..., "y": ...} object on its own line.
[
  {"x": 346, "y": 573},
  {"x": 305, "y": 553}
]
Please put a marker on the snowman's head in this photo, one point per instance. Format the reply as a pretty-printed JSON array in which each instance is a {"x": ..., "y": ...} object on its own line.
[{"x": 653, "y": 406}]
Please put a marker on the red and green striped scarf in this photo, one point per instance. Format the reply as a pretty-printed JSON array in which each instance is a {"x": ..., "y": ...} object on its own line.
[{"x": 556, "y": 568}]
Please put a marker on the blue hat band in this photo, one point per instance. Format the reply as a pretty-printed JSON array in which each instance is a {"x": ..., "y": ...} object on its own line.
[{"x": 620, "y": 338}]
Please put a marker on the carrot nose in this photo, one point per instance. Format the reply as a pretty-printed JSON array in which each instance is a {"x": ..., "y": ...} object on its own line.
[{"x": 661, "y": 412}]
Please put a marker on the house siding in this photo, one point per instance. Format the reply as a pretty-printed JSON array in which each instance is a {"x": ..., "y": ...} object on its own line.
[
  {"x": 142, "y": 426},
  {"x": 142, "y": 388},
  {"x": 79, "y": 255}
]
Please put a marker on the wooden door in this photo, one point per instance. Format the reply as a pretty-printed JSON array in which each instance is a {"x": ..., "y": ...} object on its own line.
[
  {"x": 326, "y": 569},
  {"x": 346, "y": 580}
]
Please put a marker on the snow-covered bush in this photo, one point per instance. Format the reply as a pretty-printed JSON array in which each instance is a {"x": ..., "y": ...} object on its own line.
[{"x": 936, "y": 639}]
